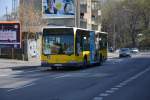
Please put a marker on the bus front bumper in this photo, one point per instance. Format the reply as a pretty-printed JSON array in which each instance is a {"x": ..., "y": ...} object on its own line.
[{"x": 62, "y": 65}]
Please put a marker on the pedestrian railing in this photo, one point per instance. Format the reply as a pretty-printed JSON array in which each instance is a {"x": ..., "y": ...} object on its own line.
[{"x": 11, "y": 53}]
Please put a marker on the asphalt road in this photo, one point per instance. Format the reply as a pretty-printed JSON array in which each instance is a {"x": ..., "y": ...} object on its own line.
[{"x": 116, "y": 79}]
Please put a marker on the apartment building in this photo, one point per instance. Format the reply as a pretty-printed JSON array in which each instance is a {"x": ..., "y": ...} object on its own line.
[
  {"x": 90, "y": 14},
  {"x": 87, "y": 14}
]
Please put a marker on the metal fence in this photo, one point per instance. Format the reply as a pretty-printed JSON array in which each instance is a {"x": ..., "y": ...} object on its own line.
[{"x": 12, "y": 53}]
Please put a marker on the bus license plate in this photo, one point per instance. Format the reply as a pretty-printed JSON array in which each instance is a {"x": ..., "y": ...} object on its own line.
[{"x": 57, "y": 64}]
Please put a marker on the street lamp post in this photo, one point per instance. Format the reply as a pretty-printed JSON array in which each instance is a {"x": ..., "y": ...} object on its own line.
[
  {"x": 139, "y": 38},
  {"x": 77, "y": 13}
]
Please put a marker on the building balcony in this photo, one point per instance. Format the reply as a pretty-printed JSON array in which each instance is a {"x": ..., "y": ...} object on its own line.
[
  {"x": 83, "y": 20},
  {"x": 83, "y": 7},
  {"x": 83, "y": 24},
  {"x": 95, "y": 27}
]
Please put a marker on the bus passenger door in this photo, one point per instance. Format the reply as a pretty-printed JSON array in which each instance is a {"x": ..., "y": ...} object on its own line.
[
  {"x": 92, "y": 47},
  {"x": 79, "y": 54}
]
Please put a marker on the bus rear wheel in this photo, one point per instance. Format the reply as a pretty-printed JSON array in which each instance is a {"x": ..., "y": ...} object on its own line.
[{"x": 100, "y": 60}]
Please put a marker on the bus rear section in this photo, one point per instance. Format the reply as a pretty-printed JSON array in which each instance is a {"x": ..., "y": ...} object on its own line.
[{"x": 103, "y": 45}]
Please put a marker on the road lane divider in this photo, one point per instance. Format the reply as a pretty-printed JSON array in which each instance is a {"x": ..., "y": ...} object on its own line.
[
  {"x": 17, "y": 88},
  {"x": 120, "y": 85}
]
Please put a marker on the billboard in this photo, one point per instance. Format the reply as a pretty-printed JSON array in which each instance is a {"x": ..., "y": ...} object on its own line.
[
  {"x": 58, "y": 8},
  {"x": 10, "y": 35}
]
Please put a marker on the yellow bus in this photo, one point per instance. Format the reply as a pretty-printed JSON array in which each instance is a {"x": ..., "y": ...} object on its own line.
[{"x": 72, "y": 47}]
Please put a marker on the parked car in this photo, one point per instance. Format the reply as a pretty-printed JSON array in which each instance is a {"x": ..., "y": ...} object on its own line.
[
  {"x": 124, "y": 52},
  {"x": 134, "y": 50}
]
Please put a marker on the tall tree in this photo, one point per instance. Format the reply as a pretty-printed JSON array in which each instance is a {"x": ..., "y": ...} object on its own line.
[{"x": 124, "y": 20}]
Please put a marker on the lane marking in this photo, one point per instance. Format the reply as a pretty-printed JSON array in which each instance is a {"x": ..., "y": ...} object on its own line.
[
  {"x": 114, "y": 88},
  {"x": 109, "y": 91},
  {"x": 126, "y": 81},
  {"x": 28, "y": 85},
  {"x": 118, "y": 86},
  {"x": 2, "y": 75},
  {"x": 82, "y": 75},
  {"x": 104, "y": 94},
  {"x": 123, "y": 83},
  {"x": 98, "y": 98},
  {"x": 14, "y": 72},
  {"x": 32, "y": 71},
  {"x": 62, "y": 76}
]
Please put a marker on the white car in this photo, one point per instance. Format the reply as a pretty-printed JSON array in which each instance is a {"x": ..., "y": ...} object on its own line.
[
  {"x": 124, "y": 52},
  {"x": 134, "y": 50}
]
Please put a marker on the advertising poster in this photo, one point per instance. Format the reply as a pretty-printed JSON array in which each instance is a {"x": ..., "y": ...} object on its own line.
[
  {"x": 32, "y": 48},
  {"x": 10, "y": 35},
  {"x": 58, "y": 8}
]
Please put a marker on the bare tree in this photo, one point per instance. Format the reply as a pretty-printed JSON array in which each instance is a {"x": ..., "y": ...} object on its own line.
[{"x": 30, "y": 18}]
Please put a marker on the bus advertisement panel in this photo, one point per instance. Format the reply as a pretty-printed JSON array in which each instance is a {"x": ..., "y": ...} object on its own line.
[
  {"x": 58, "y": 8},
  {"x": 92, "y": 47},
  {"x": 10, "y": 35}
]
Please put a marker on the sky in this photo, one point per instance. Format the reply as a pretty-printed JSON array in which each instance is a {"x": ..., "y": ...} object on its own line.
[{"x": 3, "y": 5}]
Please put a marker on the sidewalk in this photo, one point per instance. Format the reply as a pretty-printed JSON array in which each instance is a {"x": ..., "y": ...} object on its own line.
[
  {"x": 18, "y": 64},
  {"x": 34, "y": 63}
]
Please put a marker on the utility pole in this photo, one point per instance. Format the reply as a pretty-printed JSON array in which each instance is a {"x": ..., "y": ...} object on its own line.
[
  {"x": 89, "y": 10},
  {"x": 6, "y": 13},
  {"x": 77, "y": 13},
  {"x": 114, "y": 36},
  {"x": 14, "y": 9}
]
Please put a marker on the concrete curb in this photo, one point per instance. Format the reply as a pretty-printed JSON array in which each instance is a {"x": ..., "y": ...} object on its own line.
[
  {"x": 23, "y": 67},
  {"x": 17, "y": 64}
]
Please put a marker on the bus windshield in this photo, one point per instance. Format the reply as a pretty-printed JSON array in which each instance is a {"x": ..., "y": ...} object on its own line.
[{"x": 58, "y": 42}]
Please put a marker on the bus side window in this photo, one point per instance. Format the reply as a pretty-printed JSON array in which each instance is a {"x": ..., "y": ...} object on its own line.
[
  {"x": 79, "y": 44},
  {"x": 78, "y": 48}
]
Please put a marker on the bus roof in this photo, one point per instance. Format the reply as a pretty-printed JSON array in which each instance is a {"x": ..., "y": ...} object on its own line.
[
  {"x": 84, "y": 29},
  {"x": 66, "y": 27},
  {"x": 56, "y": 27}
]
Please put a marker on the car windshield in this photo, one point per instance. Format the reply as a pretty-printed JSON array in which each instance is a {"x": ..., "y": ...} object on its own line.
[{"x": 124, "y": 49}]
